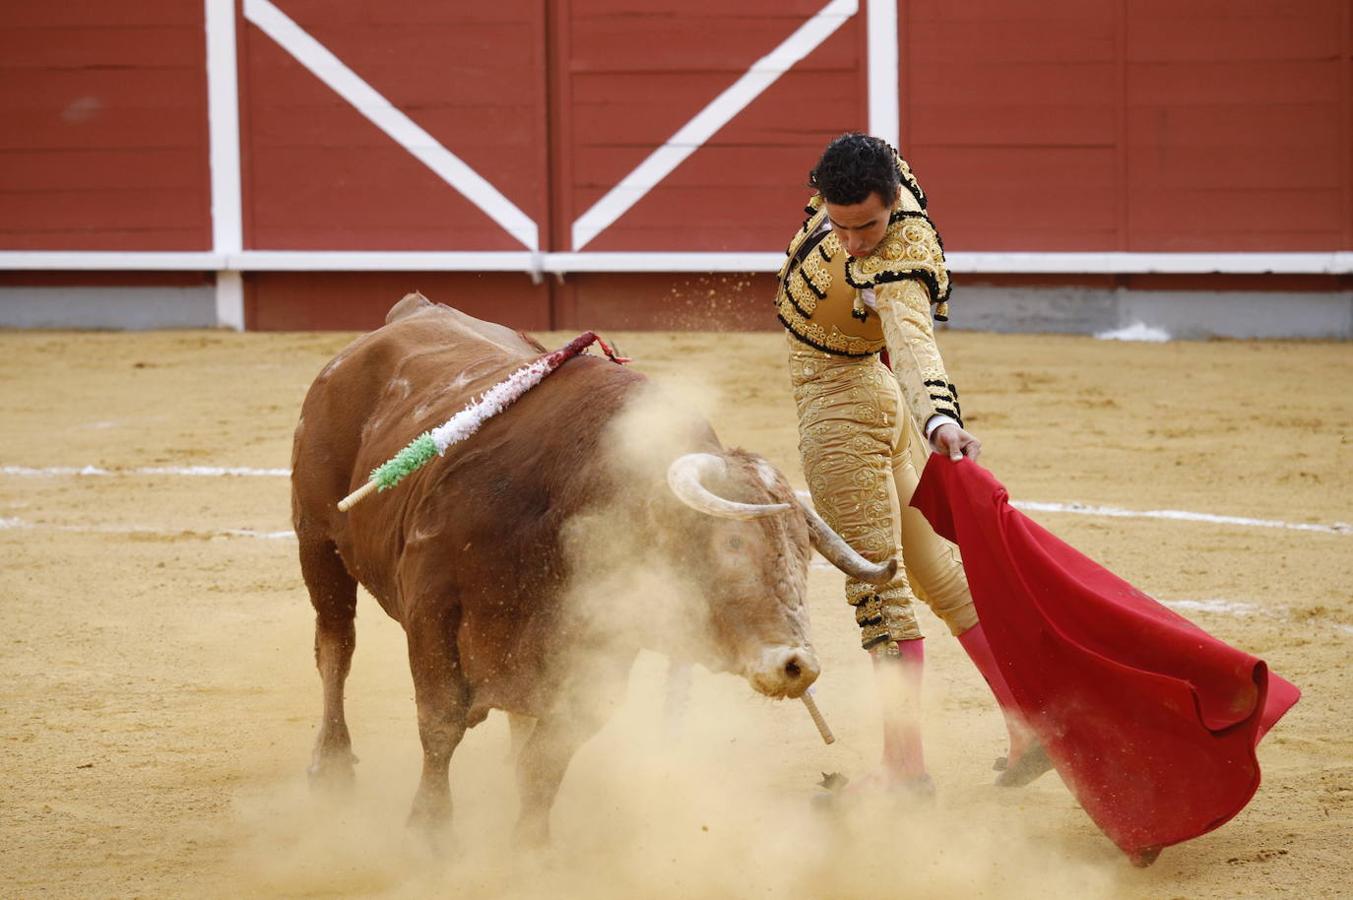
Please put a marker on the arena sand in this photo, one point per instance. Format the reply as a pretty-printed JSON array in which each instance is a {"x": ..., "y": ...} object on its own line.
[{"x": 159, "y": 695}]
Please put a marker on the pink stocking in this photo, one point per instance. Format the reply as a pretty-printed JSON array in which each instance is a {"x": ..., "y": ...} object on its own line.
[{"x": 903, "y": 755}]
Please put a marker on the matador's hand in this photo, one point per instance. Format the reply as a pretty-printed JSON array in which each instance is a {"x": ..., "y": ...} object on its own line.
[{"x": 955, "y": 442}]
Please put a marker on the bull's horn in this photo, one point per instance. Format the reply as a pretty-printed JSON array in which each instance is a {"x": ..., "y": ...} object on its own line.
[
  {"x": 842, "y": 555},
  {"x": 685, "y": 476}
]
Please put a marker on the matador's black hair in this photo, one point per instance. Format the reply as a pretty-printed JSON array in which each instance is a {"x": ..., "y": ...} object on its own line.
[{"x": 854, "y": 166}]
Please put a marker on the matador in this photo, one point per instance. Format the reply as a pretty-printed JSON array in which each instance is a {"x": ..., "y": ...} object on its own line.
[{"x": 865, "y": 276}]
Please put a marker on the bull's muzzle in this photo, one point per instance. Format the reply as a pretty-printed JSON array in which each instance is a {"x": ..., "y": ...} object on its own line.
[{"x": 784, "y": 671}]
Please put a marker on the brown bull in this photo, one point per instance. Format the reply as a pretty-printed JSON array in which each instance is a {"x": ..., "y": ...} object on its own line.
[{"x": 483, "y": 556}]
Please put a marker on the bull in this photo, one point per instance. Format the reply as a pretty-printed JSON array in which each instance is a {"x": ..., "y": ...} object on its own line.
[{"x": 486, "y": 557}]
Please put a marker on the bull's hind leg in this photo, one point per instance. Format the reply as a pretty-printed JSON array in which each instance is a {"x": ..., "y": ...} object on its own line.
[
  {"x": 443, "y": 702},
  {"x": 333, "y": 593}
]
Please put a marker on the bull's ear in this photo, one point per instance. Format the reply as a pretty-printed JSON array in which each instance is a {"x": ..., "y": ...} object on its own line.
[
  {"x": 686, "y": 477},
  {"x": 839, "y": 553}
]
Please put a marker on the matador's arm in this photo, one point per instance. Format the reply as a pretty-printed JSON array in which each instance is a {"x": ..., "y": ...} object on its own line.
[{"x": 904, "y": 308}]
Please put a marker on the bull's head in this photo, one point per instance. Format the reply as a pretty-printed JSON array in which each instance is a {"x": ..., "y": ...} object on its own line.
[{"x": 754, "y": 565}]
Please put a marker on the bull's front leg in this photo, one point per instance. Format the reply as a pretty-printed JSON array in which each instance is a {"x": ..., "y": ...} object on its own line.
[
  {"x": 586, "y": 702},
  {"x": 540, "y": 770},
  {"x": 443, "y": 700}
]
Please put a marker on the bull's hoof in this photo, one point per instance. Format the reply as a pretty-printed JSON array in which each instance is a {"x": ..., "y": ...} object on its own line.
[
  {"x": 430, "y": 814},
  {"x": 1032, "y": 763},
  {"x": 531, "y": 833},
  {"x": 332, "y": 773},
  {"x": 1143, "y": 858}
]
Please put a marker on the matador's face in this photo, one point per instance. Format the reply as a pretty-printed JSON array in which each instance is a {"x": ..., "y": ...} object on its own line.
[{"x": 860, "y": 226}]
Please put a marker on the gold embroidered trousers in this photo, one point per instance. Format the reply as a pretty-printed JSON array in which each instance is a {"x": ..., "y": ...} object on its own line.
[{"x": 862, "y": 454}]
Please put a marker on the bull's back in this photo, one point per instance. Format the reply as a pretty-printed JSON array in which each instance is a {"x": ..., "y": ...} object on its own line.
[{"x": 425, "y": 358}]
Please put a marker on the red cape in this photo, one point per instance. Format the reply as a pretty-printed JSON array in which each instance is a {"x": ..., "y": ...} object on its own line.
[{"x": 1150, "y": 721}]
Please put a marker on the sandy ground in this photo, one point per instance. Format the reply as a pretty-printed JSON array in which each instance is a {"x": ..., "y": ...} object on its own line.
[{"x": 159, "y": 698}]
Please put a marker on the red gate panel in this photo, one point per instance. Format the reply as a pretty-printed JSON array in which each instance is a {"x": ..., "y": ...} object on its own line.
[
  {"x": 1161, "y": 125},
  {"x": 104, "y": 138},
  {"x": 1237, "y": 125},
  {"x": 1010, "y": 120},
  {"x": 631, "y": 76},
  {"x": 319, "y": 175}
]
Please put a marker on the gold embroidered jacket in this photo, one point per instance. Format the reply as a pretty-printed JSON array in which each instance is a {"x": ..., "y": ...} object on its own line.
[{"x": 819, "y": 298}]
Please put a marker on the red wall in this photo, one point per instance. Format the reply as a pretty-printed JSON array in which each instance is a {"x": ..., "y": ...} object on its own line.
[
  {"x": 1055, "y": 125},
  {"x": 1041, "y": 125},
  {"x": 1155, "y": 125},
  {"x": 103, "y": 126},
  {"x": 358, "y": 301}
]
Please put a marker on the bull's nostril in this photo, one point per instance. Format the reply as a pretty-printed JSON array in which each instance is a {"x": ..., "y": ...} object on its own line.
[{"x": 792, "y": 669}]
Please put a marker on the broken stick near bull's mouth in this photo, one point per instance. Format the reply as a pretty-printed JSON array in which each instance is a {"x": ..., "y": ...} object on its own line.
[{"x": 821, "y": 723}]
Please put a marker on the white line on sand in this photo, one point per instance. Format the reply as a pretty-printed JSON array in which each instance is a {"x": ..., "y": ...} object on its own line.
[
  {"x": 1178, "y": 515},
  {"x": 190, "y": 471},
  {"x": 1214, "y": 605},
  {"x": 200, "y": 533},
  {"x": 1217, "y": 605},
  {"x": 1079, "y": 509}
]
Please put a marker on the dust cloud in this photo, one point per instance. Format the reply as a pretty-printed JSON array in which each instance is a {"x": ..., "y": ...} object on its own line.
[
  {"x": 624, "y": 584},
  {"x": 682, "y": 794},
  {"x": 645, "y": 812}
]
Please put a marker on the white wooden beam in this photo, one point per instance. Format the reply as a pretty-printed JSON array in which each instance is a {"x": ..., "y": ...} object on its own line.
[
  {"x": 223, "y": 119},
  {"x": 1328, "y": 263},
  {"x": 884, "y": 74}
]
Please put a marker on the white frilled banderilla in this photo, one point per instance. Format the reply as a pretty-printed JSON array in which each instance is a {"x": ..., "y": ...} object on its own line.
[{"x": 421, "y": 449}]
